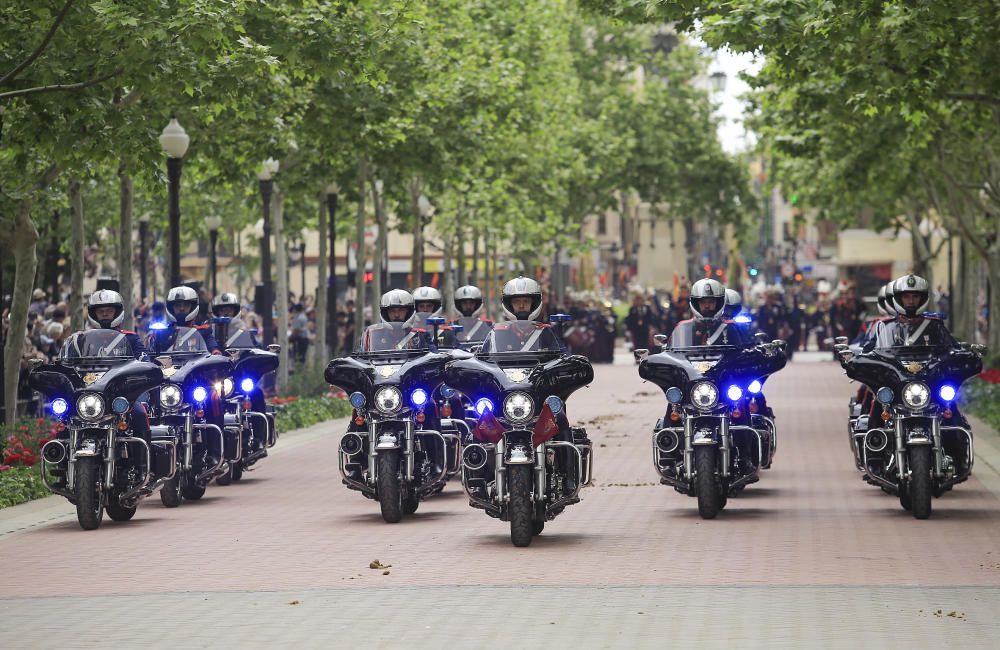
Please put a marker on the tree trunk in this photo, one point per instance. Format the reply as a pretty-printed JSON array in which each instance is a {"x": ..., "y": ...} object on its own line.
[
  {"x": 417, "y": 257},
  {"x": 993, "y": 305},
  {"x": 461, "y": 280},
  {"x": 319, "y": 348},
  {"x": 125, "y": 274},
  {"x": 447, "y": 284},
  {"x": 76, "y": 256},
  {"x": 281, "y": 262},
  {"x": 964, "y": 302},
  {"x": 474, "y": 276},
  {"x": 378, "y": 258},
  {"x": 359, "y": 271},
  {"x": 23, "y": 240}
]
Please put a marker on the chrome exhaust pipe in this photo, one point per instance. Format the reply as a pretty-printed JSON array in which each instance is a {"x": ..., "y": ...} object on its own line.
[
  {"x": 876, "y": 440},
  {"x": 54, "y": 451},
  {"x": 351, "y": 444},
  {"x": 667, "y": 441},
  {"x": 475, "y": 457}
]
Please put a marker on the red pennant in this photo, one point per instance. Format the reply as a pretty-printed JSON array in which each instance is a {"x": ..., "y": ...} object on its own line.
[
  {"x": 488, "y": 429},
  {"x": 545, "y": 427}
]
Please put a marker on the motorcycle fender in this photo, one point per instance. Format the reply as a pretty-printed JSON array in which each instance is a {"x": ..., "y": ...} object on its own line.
[
  {"x": 704, "y": 437},
  {"x": 918, "y": 439},
  {"x": 387, "y": 441},
  {"x": 87, "y": 448}
]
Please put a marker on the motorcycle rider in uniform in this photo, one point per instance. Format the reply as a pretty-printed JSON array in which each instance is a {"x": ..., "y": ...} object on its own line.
[
  {"x": 428, "y": 303},
  {"x": 708, "y": 327},
  {"x": 182, "y": 310},
  {"x": 226, "y": 309},
  {"x": 397, "y": 311},
  {"x": 913, "y": 326},
  {"x": 469, "y": 303}
]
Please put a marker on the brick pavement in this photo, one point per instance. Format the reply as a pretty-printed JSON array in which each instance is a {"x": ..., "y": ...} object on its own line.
[{"x": 806, "y": 547}]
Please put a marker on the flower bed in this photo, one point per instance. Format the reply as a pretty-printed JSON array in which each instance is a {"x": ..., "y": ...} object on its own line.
[
  {"x": 981, "y": 397},
  {"x": 19, "y": 477},
  {"x": 297, "y": 412},
  {"x": 20, "y": 484}
]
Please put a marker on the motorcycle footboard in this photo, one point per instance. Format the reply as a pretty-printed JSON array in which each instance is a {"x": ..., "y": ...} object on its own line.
[
  {"x": 557, "y": 506},
  {"x": 352, "y": 483},
  {"x": 208, "y": 474}
]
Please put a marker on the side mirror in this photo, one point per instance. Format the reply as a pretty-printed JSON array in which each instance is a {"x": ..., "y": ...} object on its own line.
[
  {"x": 978, "y": 348},
  {"x": 274, "y": 348},
  {"x": 641, "y": 354},
  {"x": 661, "y": 339},
  {"x": 841, "y": 339},
  {"x": 436, "y": 321},
  {"x": 840, "y": 347},
  {"x": 779, "y": 344},
  {"x": 846, "y": 356},
  {"x": 165, "y": 361}
]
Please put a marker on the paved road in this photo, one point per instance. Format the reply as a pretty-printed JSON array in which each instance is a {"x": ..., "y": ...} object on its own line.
[{"x": 811, "y": 555}]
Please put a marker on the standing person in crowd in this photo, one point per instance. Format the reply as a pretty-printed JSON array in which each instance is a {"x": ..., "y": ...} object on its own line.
[
  {"x": 348, "y": 324},
  {"x": 38, "y": 302},
  {"x": 796, "y": 323},
  {"x": 772, "y": 319},
  {"x": 299, "y": 337},
  {"x": 638, "y": 322},
  {"x": 848, "y": 313}
]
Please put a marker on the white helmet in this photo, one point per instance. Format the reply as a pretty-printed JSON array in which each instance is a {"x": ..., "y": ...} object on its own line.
[
  {"x": 707, "y": 288},
  {"x": 396, "y": 298},
  {"x": 182, "y": 294},
  {"x": 428, "y": 294},
  {"x": 106, "y": 298},
  {"x": 734, "y": 303},
  {"x": 910, "y": 284},
  {"x": 225, "y": 300},
  {"x": 469, "y": 292},
  {"x": 522, "y": 287},
  {"x": 880, "y": 301}
]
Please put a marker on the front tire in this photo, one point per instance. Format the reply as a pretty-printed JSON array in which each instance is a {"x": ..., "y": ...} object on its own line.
[
  {"x": 88, "y": 493},
  {"x": 521, "y": 525},
  {"x": 170, "y": 493},
  {"x": 193, "y": 492},
  {"x": 390, "y": 492},
  {"x": 226, "y": 478},
  {"x": 117, "y": 511},
  {"x": 410, "y": 505},
  {"x": 707, "y": 485},
  {"x": 921, "y": 481}
]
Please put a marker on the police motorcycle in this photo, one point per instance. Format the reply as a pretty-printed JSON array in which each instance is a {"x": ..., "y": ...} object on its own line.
[
  {"x": 396, "y": 448},
  {"x": 249, "y": 423},
  {"x": 189, "y": 411},
  {"x": 525, "y": 463},
  {"x": 913, "y": 366},
  {"x": 95, "y": 461},
  {"x": 716, "y": 435}
]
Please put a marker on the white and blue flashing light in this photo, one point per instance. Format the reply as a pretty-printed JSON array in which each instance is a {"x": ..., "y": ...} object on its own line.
[
  {"x": 734, "y": 393},
  {"x": 357, "y": 400},
  {"x": 755, "y": 387},
  {"x": 120, "y": 405},
  {"x": 60, "y": 406},
  {"x": 742, "y": 318},
  {"x": 158, "y": 325},
  {"x": 555, "y": 404},
  {"x": 483, "y": 404},
  {"x": 418, "y": 397},
  {"x": 200, "y": 393},
  {"x": 246, "y": 385},
  {"x": 947, "y": 393}
]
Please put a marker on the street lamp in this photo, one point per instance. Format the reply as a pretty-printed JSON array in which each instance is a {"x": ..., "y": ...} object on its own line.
[
  {"x": 332, "y": 191},
  {"x": 213, "y": 222},
  {"x": 266, "y": 178},
  {"x": 174, "y": 141},
  {"x": 143, "y": 255}
]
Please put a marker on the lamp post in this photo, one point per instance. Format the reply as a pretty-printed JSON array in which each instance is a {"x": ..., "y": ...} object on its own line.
[
  {"x": 266, "y": 179},
  {"x": 143, "y": 255},
  {"x": 332, "y": 191},
  {"x": 174, "y": 141},
  {"x": 302, "y": 262},
  {"x": 213, "y": 222}
]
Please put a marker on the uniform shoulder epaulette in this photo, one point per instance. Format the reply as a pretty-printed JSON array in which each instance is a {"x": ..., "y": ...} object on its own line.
[{"x": 126, "y": 332}]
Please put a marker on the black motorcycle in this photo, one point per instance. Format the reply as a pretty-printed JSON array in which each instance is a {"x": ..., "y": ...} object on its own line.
[
  {"x": 95, "y": 461},
  {"x": 249, "y": 423},
  {"x": 524, "y": 463},
  {"x": 913, "y": 443},
  {"x": 402, "y": 442},
  {"x": 189, "y": 411},
  {"x": 717, "y": 433}
]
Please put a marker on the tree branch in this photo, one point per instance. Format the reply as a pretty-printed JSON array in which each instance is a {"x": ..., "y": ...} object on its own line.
[
  {"x": 59, "y": 87},
  {"x": 41, "y": 46},
  {"x": 974, "y": 97}
]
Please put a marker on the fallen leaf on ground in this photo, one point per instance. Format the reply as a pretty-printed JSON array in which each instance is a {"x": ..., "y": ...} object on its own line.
[{"x": 375, "y": 564}]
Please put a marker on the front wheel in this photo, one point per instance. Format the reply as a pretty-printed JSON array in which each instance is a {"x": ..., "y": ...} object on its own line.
[
  {"x": 921, "y": 481},
  {"x": 170, "y": 493},
  {"x": 117, "y": 511},
  {"x": 227, "y": 477},
  {"x": 707, "y": 485},
  {"x": 522, "y": 527},
  {"x": 410, "y": 505},
  {"x": 193, "y": 492},
  {"x": 390, "y": 492},
  {"x": 88, "y": 493}
]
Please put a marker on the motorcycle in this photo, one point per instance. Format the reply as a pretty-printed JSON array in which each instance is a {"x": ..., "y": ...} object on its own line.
[
  {"x": 402, "y": 441},
  {"x": 524, "y": 464},
  {"x": 249, "y": 423},
  {"x": 717, "y": 435},
  {"x": 188, "y": 410},
  {"x": 95, "y": 461},
  {"x": 917, "y": 447}
]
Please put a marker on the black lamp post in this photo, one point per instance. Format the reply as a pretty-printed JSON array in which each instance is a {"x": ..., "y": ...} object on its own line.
[
  {"x": 332, "y": 191},
  {"x": 266, "y": 177},
  {"x": 143, "y": 255},
  {"x": 302, "y": 262},
  {"x": 213, "y": 223},
  {"x": 175, "y": 143}
]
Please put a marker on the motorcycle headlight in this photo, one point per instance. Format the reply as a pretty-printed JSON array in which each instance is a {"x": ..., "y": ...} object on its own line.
[
  {"x": 170, "y": 396},
  {"x": 90, "y": 406},
  {"x": 704, "y": 395},
  {"x": 246, "y": 385},
  {"x": 916, "y": 395},
  {"x": 226, "y": 387},
  {"x": 947, "y": 393},
  {"x": 388, "y": 399},
  {"x": 518, "y": 407}
]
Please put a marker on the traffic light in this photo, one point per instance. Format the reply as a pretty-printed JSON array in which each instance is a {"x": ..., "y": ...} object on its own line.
[
  {"x": 369, "y": 276},
  {"x": 794, "y": 199},
  {"x": 753, "y": 272}
]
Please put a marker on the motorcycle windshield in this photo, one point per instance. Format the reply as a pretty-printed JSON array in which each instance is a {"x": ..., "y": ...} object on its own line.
[
  {"x": 688, "y": 335},
  {"x": 187, "y": 340},
  {"x": 390, "y": 337},
  {"x": 240, "y": 339},
  {"x": 518, "y": 337},
  {"x": 101, "y": 343},
  {"x": 473, "y": 329}
]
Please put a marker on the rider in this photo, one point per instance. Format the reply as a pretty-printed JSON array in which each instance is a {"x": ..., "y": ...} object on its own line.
[
  {"x": 913, "y": 326},
  {"x": 229, "y": 325},
  {"x": 428, "y": 303},
  {"x": 182, "y": 311},
  {"x": 708, "y": 327},
  {"x": 397, "y": 311},
  {"x": 469, "y": 303}
]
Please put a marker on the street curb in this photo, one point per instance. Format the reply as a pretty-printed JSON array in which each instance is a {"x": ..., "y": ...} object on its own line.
[
  {"x": 55, "y": 508},
  {"x": 986, "y": 441}
]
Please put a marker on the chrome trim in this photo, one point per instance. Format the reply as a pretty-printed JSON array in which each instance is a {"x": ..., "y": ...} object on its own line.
[
  {"x": 550, "y": 510},
  {"x": 209, "y": 473},
  {"x": 149, "y": 467}
]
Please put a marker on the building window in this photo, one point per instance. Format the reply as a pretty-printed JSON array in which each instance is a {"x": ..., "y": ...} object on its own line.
[{"x": 602, "y": 224}]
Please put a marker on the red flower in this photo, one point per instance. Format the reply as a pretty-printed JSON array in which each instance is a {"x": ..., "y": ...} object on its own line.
[{"x": 4, "y": 468}]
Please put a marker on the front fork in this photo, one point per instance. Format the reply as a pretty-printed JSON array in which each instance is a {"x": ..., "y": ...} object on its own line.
[
  {"x": 724, "y": 442},
  {"x": 902, "y": 444}
]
